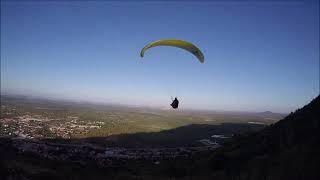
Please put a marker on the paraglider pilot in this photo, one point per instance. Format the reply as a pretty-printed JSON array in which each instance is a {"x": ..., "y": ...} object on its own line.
[{"x": 175, "y": 103}]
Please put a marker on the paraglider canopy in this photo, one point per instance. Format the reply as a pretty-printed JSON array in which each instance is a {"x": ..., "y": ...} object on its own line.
[{"x": 176, "y": 43}]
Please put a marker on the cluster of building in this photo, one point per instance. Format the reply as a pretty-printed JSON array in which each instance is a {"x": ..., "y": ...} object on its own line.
[
  {"x": 37, "y": 126},
  {"x": 22, "y": 126}
]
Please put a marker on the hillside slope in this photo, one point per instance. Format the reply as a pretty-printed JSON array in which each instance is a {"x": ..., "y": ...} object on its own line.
[{"x": 289, "y": 149}]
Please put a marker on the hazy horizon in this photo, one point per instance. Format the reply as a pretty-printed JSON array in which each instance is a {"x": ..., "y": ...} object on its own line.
[
  {"x": 143, "y": 106},
  {"x": 258, "y": 56}
]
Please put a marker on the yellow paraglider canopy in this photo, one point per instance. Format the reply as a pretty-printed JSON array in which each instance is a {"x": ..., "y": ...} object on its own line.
[{"x": 176, "y": 43}]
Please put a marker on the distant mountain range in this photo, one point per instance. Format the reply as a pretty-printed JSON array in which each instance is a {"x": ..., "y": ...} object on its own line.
[
  {"x": 268, "y": 115},
  {"x": 54, "y": 103}
]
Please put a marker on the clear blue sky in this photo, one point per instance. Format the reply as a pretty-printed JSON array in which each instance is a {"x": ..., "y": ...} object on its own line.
[{"x": 258, "y": 55}]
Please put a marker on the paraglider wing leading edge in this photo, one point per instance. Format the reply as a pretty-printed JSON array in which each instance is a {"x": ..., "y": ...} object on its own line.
[{"x": 176, "y": 43}]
